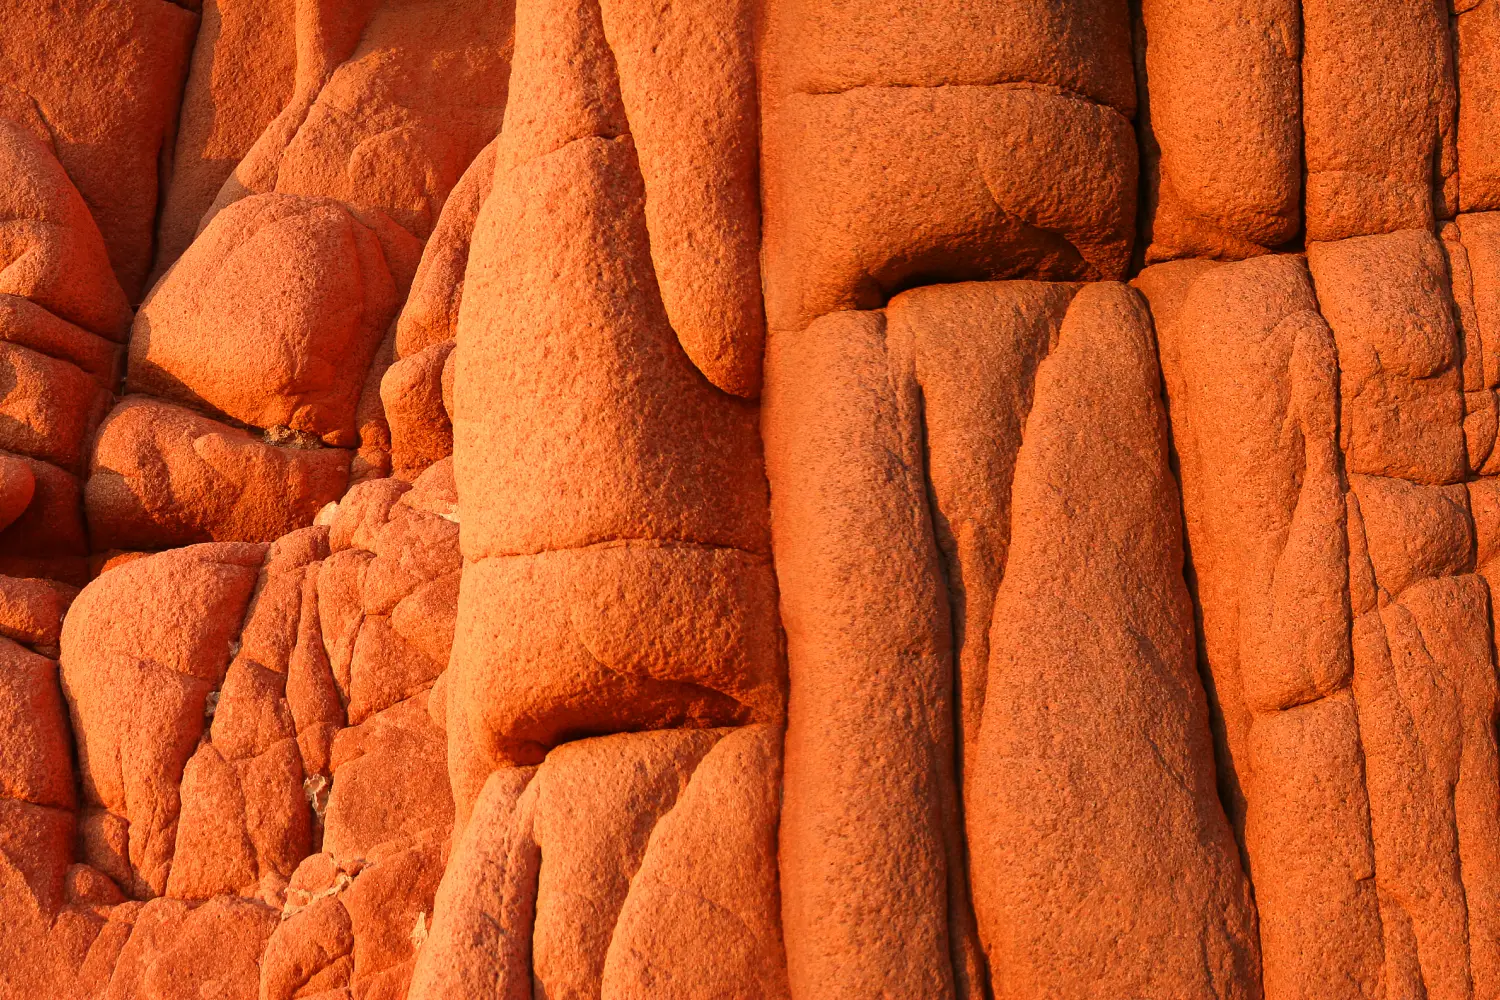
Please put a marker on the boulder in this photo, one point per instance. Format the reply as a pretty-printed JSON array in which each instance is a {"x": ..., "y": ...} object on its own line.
[
  {"x": 270, "y": 318},
  {"x": 162, "y": 475}
]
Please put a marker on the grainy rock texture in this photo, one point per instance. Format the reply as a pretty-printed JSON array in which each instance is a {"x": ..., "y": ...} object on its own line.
[
  {"x": 1221, "y": 126},
  {"x": 102, "y": 82},
  {"x": 749, "y": 499}
]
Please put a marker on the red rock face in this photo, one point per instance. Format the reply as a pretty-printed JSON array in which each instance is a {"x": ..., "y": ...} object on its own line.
[
  {"x": 904, "y": 149},
  {"x": 617, "y": 574},
  {"x": 103, "y": 82},
  {"x": 1357, "y": 583},
  {"x": 1220, "y": 126},
  {"x": 273, "y": 320},
  {"x": 62, "y": 316},
  {"x": 599, "y": 500},
  {"x": 242, "y": 72}
]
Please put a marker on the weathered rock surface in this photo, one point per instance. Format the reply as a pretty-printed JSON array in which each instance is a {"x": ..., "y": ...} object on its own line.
[
  {"x": 1379, "y": 101},
  {"x": 624, "y": 866},
  {"x": 270, "y": 318},
  {"x": 1221, "y": 129},
  {"x": 602, "y": 500},
  {"x": 243, "y": 69},
  {"x": 617, "y": 574},
  {"x": 103, "y": 83},
  {"x": 62, "y": 313},
  {"x": 880, "y": 649},
  {"x": 1476, "y": 28},
  {"x": 1323, "y": 462},
  {"x": 162, "y": 475},
  {"x": 274, "y": 317},
  {"x": 942, "y": 159}
]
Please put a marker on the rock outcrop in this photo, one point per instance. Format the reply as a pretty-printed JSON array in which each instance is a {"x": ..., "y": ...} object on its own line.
[{"x": 786, "y": 500}]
